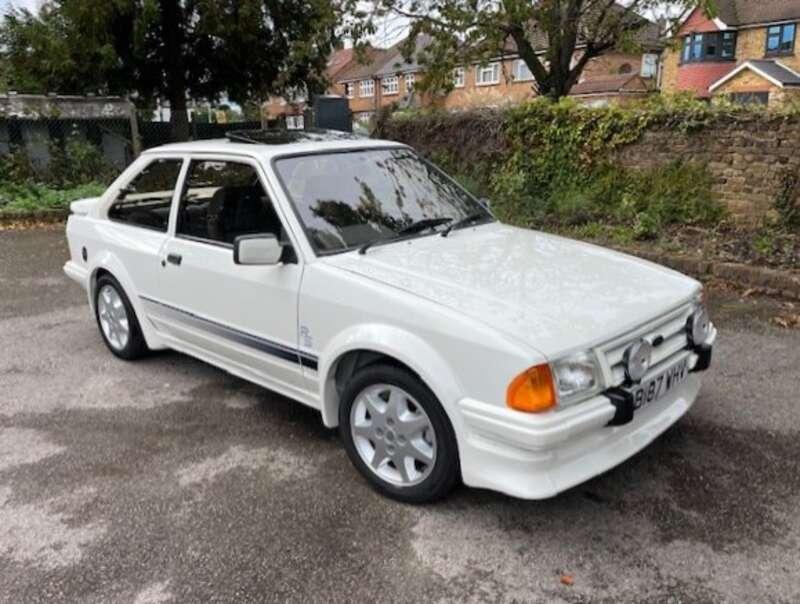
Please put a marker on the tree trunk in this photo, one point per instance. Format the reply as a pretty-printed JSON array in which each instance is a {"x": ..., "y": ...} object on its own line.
[
  {"x": 178, "y": 118},
  {"x": 172, "y": 26}
]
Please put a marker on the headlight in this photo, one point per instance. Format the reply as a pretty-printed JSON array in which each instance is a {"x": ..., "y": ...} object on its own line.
[
  {"x": 576, "y": 377},
  {"x": 698, "y": 326},
  {"x": 565, "y": 382}
]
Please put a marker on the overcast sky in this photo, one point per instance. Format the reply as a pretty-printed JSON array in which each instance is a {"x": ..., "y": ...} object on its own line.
[{"x": 6, "y": 4}]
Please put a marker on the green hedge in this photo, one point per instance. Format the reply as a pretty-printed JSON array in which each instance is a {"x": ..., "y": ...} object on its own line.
[{"x": 551, "y": 165}]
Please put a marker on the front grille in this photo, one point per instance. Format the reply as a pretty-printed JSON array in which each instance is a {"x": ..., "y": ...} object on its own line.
[{"x": 671, "y": 327}]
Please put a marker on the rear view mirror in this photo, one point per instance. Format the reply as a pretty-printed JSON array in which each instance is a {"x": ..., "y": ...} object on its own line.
[{"x": 262, "y": 249}]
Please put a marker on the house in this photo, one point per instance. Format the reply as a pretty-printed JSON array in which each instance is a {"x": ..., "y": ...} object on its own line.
[
  {"x": 385, "y": 77},
  {"x": 747, "y": 53},
  {"x": 291, "y": 108},
  {"x": 360, "y": 84}
]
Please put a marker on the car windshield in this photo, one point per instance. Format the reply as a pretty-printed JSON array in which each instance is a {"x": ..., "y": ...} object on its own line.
[{"x": 348, "y": 199}]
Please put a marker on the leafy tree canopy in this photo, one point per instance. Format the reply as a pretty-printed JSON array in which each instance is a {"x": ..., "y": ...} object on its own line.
[
  {"x": 555, "y": 38},
  {"x": 171, "y": 49}
]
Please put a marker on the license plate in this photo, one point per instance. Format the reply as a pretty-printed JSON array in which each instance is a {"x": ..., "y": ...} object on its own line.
[{"x": 658, "y": 386}]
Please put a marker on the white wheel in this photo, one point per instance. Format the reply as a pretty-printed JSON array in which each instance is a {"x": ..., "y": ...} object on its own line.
[
  {"x": 397, "y": 434},
  {"x": 113, "y": 317},
  {"x": 393, "y": 435},
  {"x": 117, "y": 321}
]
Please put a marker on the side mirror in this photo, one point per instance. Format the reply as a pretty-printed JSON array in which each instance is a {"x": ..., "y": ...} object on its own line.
[
  {"x": 486, "y": 203},
  {"x": 261, "y": 249},
  {"x": 125, "y": 191}
]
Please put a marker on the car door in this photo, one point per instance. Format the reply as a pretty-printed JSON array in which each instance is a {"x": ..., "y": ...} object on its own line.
[
  {"x": 140, "y": 216},
  {"x": 242, "y": 316}
]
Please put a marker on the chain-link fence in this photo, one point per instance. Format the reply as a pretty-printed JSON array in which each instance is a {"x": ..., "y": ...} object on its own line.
[{"x": 61, "y": 139}]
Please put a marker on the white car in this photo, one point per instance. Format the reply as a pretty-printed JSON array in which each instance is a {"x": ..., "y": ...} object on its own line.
[{"x": 355, "y": 277}]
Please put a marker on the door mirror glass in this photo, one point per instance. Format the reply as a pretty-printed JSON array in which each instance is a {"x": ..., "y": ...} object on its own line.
[{"x": 263, "y": 249}]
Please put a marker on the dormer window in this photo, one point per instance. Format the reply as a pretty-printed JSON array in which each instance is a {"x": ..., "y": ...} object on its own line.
[
  {"x": 780, "y": 39},
  {"x": 710, "y": 46}
]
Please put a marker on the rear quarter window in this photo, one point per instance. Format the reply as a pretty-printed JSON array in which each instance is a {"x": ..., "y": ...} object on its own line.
[{"x": 146, "y": 200}]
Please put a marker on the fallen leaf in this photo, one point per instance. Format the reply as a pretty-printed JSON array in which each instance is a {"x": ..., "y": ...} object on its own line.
[
  {"x": 567, "y": 579},
  {"x": 787, "y": 321}
]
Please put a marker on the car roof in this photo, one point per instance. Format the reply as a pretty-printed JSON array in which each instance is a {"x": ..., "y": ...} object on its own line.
[{"x": 269, "y": 151}]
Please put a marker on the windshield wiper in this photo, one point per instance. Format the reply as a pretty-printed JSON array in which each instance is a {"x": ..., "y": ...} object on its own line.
[
  {"x": 463, "y": 222},
  {"x": 413, "y": 228}
]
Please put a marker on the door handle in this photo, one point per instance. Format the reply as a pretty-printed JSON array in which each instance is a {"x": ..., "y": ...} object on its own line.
[{"x": 174, "y": 259}]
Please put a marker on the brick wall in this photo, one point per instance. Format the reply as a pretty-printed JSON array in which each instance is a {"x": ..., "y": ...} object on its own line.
[{"x": 745, "y": 160}]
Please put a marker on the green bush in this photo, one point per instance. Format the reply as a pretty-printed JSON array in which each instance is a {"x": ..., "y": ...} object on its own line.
[
  {"x": 77, "y": 162},
  {"x": 75, "y": 171},
  {"x": 33, "y": 197},
  {"x": 547, "y": 164},
  {"x": 16, "y": 167}
]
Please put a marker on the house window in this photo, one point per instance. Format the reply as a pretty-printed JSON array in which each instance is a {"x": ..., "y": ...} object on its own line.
[
  {"x": 487, "y": 75},
  {"x": 348, "y": 90},
  {"x": 780, "y": 39},
  {"x": 294, "y": 122},
  {"x": 713, "y": 46},
  {"x": 522, "y": 73},
  {"x": 367, "y": 88},
  {"x": 408, "y": 80},
  {"x": 458, "y": 77},
  {"x": 390, "y": 85},
  {"x": 750, "y": 98},
  {"x": 649, "y": 65}
]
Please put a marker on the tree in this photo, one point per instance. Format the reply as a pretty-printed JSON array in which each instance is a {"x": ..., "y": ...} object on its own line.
[
  {"x": 555, "y": 38},
  {"x": 171, "y": 49}
]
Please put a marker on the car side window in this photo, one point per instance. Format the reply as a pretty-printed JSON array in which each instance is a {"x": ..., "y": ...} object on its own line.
[
  {"x": 146, "y": 201},
  {"x": 223, "y": 200}
]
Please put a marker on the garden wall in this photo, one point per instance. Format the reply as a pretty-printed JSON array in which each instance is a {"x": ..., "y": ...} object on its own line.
[
  {"x": 749, "y": 161},
  {"x": 752, "y": 157}
]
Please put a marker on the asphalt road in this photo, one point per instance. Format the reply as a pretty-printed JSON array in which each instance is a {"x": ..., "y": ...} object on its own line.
[{"x": 168, "y": 480}]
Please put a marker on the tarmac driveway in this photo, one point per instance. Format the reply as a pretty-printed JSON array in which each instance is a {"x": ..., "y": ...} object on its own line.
[{"x": 169, "y": 480}]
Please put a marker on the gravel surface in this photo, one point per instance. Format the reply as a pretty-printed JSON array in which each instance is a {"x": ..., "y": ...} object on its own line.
[{"x": 168, "y": 480}]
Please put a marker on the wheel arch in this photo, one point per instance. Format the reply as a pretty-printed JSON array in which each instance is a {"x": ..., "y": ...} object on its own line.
[
  {"x": 369, "y": 344},
  {"x": 108, "y": 264}
]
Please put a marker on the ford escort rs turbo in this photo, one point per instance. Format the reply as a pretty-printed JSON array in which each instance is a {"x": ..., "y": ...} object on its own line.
[{"x": 355, "y": 277}]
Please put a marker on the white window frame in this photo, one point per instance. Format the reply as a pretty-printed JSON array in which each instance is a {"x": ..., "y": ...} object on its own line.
[
  {"x": 390, "y": 85},
  {"x": 294, "y": 122},
  {"x": 408, "y": 81},
  {"x": 519, "y": 65},
  {"x": 649, "y": 66},
  {"x": 366, "y": 88},
  {"x": 459, "y": 77},
  {"x": 493, "y": 68}
]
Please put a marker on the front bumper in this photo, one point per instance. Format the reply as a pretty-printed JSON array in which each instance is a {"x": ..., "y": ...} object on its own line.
[{"x": 538, "y": 456}]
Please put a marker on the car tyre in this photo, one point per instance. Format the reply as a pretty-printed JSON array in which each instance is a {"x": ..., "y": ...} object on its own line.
[
  {"x": 397, "y": 434},
  {"x": 117, "y": 320}
]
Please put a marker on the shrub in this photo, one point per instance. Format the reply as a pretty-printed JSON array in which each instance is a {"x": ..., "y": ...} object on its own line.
[
  {"x": 32, "y": 197},
  {"x": 547, "y": 164},
  {"x": 16, "y": 167},
  {"x": 787, "y": 202},
  {"x": 77, "y": 162}
]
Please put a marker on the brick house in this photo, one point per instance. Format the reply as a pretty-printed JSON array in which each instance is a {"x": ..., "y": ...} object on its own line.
[
  {"x": 291, "y": 108},
  {"x": 747, "y": 53},
  {"x": 387, "y": 78}
]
